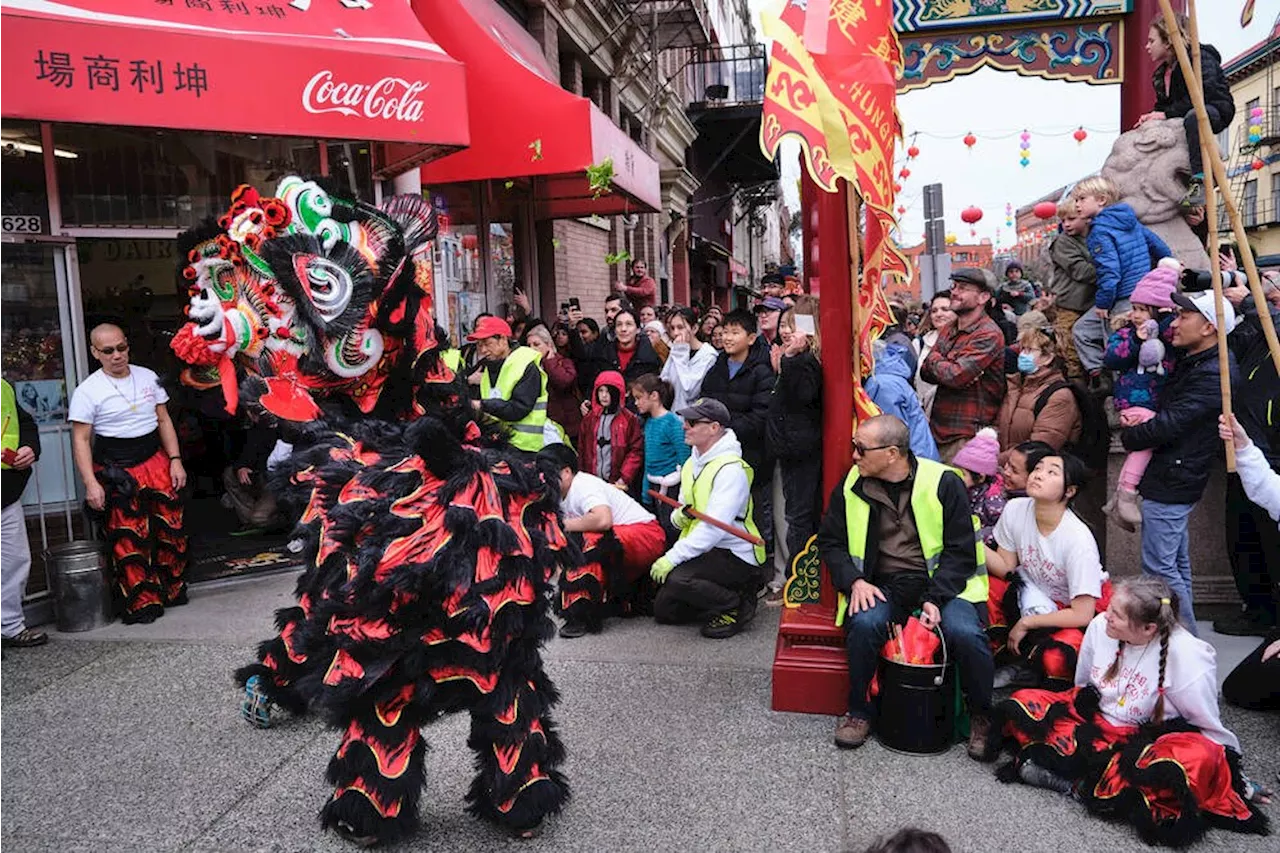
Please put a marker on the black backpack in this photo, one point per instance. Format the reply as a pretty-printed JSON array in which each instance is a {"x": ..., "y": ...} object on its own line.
[{"x": 1094, "y": 444}]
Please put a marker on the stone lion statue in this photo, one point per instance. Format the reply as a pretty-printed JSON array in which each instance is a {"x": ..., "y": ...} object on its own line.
[{"x": 1150, "y": 166}]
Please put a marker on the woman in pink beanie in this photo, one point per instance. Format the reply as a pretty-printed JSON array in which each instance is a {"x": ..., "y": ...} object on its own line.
[
  {"x": 1141, "y": 352},
  {"x": 979, "y": 466}
]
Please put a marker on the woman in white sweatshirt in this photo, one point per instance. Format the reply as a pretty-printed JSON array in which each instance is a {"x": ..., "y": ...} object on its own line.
[
  {"x": 1139, "y": 738},
  {"x": 1255, "y": 683},
  {"x": 689, "y": 360}
]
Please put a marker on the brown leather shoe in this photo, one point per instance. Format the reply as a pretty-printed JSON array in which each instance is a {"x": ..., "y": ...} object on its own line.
[
  {"x": 852, "y": 732},
  {"x": 979, "y": 734}
]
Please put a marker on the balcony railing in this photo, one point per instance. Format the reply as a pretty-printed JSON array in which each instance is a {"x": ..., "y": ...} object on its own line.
[
  {"x": 729, "y": 77},
  {"x": 1254, "y": 213},
  {"x": 680, "y": 23}
]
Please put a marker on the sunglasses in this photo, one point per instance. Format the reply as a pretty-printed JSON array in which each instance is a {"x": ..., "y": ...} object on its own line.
[
  {"x": 113, "y": 350},
  {"x": 862, "y": 450}
]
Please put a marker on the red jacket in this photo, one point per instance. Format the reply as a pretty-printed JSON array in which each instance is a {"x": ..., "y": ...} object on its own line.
[
  {"x": 641, "y": 291},
  {"x": 563, "y": 399},
  {"x": 626, "y": 436}
]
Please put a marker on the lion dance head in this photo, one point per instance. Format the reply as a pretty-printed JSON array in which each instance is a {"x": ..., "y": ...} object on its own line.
[{"x": 307, "y": 296}]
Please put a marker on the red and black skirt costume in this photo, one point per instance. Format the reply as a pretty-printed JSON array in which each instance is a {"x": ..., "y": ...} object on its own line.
[
  {"x": 614, "y": 569},
  {"x": 428, "y": 591},
  {"x": 1051, "y": 652},
  {"x": 1168, "y": 780},
  {"x": 142, "y": 522}
]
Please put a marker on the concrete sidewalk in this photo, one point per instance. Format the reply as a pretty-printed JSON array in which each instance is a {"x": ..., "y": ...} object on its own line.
[{"x": 129, "y": 739}]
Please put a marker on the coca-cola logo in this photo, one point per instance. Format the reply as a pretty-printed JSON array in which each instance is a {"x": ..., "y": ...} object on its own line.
[{"x": 391, "y": 98}]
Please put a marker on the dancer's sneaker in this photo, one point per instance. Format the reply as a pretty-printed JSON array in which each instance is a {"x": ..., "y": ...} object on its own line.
[{"x": 255, "y": 707}]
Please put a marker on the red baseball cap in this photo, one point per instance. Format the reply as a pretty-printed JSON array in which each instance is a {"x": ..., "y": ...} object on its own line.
[{"x": 490, "y": 327}]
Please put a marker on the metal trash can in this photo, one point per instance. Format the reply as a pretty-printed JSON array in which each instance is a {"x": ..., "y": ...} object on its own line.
[{"x": 81, "y": 591}]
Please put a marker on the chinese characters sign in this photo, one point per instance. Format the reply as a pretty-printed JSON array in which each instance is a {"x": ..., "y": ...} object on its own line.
[{"x": 237, "y": 76}]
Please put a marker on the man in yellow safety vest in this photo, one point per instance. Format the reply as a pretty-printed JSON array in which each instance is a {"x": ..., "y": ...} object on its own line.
[
  {"x": 20, "y": 452},
  {"x": 513, "y": 386},
  {"x": 898, "y": 536},
  {"x": 709, "y": 574}
]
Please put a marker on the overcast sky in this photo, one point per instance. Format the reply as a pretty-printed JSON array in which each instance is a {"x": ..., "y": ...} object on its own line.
[{"x": 996, "y": 106}]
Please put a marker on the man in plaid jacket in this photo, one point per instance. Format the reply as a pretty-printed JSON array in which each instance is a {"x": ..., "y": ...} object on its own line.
[{"x": 967, "y": 364}]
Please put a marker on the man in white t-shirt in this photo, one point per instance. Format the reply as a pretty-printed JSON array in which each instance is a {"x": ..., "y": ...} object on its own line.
[
  {"x": 126, "y": 452},
  {"x": 620, "y": 540}
]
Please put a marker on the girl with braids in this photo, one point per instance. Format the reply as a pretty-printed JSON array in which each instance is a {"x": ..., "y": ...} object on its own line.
[{"x": 1139, "y": 737}]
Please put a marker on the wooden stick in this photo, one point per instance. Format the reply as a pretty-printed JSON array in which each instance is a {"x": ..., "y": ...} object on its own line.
[
  {"x": 1207, "y": 141},
  {"x": 855, "y": 280},
  {"x": 1220, "y": 177},
  {"x": 714, "y": 522}
]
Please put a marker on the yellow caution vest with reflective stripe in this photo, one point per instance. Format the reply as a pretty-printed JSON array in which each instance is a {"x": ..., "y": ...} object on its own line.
[
  {"x": 452, "y": 359},
  {"x": 927, "y": 509},
  {"x": 10, "y": 417},
  {"x": 699, "y": 490},
  {"x": 526, "y": 433}
]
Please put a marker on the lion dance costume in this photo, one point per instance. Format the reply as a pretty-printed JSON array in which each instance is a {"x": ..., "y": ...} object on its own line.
[{"x": 430, "y": 545}]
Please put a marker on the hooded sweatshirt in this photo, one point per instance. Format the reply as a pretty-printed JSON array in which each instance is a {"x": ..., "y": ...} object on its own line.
[
  {"x": 685, "y": 370},
  {"x": 1123, "y": 250},
  {"x": 890, "y": 389},
  {"x": 729, "y": 496},
  {"x": 611, "y": 443}
]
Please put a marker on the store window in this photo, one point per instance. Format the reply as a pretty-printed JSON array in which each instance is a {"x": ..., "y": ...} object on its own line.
[
  {"x": 142, "y": 178},
  {"x": 25, "y": 202},
  {"x": 459, "y": 271}
]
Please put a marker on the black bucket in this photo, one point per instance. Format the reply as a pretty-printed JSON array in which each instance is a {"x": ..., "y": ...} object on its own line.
[{"x": 917, "y": 707}]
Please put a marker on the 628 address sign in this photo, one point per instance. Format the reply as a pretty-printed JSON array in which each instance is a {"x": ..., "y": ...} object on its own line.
[{"x": 22, "y": 224}]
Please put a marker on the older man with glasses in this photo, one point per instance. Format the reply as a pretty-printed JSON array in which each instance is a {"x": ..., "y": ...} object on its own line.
[
  {"x": 126, "y": 452},
  {"x": 898, "y": 536},
  {"x": 710, "y": 574}
]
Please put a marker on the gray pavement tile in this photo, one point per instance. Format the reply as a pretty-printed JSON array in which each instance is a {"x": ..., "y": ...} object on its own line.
[
  {"x": 24, "y": 671},
  {"x": 137, "y": 746},
  {"x": 641, "y": 781},
  {"x": 218, "y": 612},
  {"x": 675, "y": 645}
]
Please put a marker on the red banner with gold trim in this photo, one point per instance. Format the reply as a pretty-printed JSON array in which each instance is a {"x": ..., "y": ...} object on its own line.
[{"x": 832, "y": 85}]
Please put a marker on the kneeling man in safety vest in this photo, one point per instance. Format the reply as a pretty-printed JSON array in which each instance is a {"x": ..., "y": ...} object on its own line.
[
  {"x": 898, "y": 535},
  {"x": 710, "y": 575},
  {"x": 513, "y": 387},
  {"x": 619, "y": 538}
]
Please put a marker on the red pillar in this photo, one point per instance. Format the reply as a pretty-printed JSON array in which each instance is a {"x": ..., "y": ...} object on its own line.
[
  {"x": 1136, "y": 94},
  {"x": 810, "y": 670},
  {"x": 680, "y": 294}
]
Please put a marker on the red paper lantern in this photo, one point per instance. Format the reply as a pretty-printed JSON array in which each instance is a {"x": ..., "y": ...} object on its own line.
[
  {"x": 913, "y": 152},
  {"x": 1258, "y": 163},
  {"x": 901, "y": 210},
  {"x": 1081, "y": 135},
  {"x": 905, "y": 173},
  {"x": 970, "y": 140},
  {"x": 897, "y": 188},
  {"x": 970, "y": 215},
  {"x": 1046, "y": 210}
]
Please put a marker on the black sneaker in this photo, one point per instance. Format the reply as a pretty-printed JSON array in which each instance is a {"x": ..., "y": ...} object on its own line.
[
  {"x": 1246, "y": 623},
  {"x": 723, "y": 626}
]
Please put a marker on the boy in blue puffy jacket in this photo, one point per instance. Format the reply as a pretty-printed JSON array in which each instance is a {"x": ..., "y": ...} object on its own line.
[{"x": 1123, "y": 251}]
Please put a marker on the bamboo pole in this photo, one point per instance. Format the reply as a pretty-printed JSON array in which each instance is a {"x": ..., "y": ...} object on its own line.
[
  {"x": 1214, "y": 163},
  {"x": 1211, "y": 214},
  {"x": 855, "y": 280}
]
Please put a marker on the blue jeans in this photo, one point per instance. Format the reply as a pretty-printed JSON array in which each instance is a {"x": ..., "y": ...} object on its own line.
[
  {"x": 1166, "y": 552},
  {"x": 966, "y": 640}
]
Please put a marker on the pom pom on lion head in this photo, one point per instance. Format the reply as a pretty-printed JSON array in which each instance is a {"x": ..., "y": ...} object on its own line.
[{"x": 319, "y": 295}]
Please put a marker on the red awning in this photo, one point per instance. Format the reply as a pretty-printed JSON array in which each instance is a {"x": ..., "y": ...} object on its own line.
[
  {"x": 309, "y": 68},
  {"x": 524, "y": 124}
]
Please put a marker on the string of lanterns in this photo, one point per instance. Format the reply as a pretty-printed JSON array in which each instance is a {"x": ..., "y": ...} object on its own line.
[{"x": 1025, "y": 145}]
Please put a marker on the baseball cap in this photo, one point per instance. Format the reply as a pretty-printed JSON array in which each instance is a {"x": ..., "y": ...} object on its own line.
[
  {"x": 771, "y": 303},
  {"x": 490, "y": 327},
  {"x": 706, "y": 409},
  {"x": 1203, "y": 303},
  {"x": 973, "y": 275}
]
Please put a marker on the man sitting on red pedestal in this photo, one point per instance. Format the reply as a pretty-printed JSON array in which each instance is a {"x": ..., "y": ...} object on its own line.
[{"x": 898, "y": 536}]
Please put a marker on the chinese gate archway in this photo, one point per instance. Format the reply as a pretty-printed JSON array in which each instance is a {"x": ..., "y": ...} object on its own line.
[{"x": 1098, "y": 42}]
